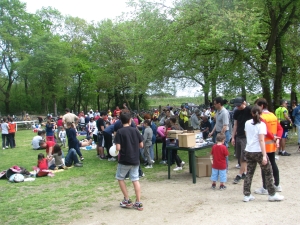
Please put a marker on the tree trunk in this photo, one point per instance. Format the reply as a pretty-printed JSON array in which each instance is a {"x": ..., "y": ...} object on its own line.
[{"x": 277, "y": 91}]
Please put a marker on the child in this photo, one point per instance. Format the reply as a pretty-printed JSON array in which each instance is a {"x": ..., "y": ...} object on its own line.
[
  {"x": 219, "y": 153},
  {"x": 42, "y": 166},
  {"x": 255, "y": 152},
  {"x": 128, "y": 141},
  {"x": 148, "y": 142},
  {"x": 57, "y": 155},
  {"x": 62, "y": 135}
]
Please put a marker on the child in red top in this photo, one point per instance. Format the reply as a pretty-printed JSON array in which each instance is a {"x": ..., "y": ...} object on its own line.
[
  {"x": 42, "y": 166},
  {"x": 219, "y": 153}
]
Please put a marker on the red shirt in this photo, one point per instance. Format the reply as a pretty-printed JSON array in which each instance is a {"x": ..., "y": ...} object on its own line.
[
  {"x": 219, "y": 153},
  {"x": 59, "y": 122},
  {"x": 42, "y": 165},
  {"x": 49, "y": 144}
]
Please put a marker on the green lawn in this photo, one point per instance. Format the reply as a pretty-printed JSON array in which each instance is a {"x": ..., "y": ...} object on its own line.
[{"x": 65, "y": 194}]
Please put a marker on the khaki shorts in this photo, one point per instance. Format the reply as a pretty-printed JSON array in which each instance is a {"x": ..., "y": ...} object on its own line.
[{"x": 240, "y": 145}]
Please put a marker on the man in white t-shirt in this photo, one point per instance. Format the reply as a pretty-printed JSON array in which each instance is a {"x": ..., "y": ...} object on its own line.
[{"x": 36, "y": 140}]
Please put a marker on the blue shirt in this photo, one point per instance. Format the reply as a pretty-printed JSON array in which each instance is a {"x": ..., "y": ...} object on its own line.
[{"x": 296, "y": 115}]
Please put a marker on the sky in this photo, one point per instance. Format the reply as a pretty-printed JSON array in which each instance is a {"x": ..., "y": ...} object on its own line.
[
  {"x": 90, "y": 10},
  {"x": 95, "y": 10}
]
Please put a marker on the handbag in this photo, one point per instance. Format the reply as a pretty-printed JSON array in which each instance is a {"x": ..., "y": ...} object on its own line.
[{"x": 285, "y": 124}]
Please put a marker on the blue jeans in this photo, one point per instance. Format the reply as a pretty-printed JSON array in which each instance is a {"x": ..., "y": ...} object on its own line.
[
  {"x": 298, "y": 130},
  {"x": 71, "y": 157},
  {"x": 151, "y": 151}
]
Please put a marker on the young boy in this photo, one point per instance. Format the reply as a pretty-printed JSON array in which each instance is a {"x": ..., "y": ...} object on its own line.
[
  {"x": 219, "y": 153},
  {"x": 128, "y": 142},
  {"x": 147, "y": 142}
]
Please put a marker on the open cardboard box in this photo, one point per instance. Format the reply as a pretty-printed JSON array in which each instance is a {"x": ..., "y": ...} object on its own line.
[{"x": 173, "y": 134}]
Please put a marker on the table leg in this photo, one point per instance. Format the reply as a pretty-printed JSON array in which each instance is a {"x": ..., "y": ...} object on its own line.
[
  {"x": 193, "y": 166},
  {"x": 169, "y": 162},
  {"x": 190, "y": 161},
  {"x": 156, "y": 151}
]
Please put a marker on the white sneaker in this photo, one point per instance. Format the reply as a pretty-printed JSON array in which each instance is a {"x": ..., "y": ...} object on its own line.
[
  {"x": 177, "y": 168},
  {"x": 182, "y": 163},
  {"x": 163, "y": 162},
  {"x": 152, "y": 161},
  {"x": 276, "y": 197},
  {"x": 248, "y": 198},
  {"x": 261, "y": 191},
  {"x": 278, "y": 188},
  {"x": 237, "y": 166},
  {"x": 112, "y": 159},
  {"x": 276, "y": 157},
  {"x": 148, "y": 167}
]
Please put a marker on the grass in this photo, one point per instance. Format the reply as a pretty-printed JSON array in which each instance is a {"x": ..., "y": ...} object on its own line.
[{"x": 62, "y": 198}]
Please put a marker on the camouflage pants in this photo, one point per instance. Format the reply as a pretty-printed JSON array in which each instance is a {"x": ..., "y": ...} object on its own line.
[{"x": 252, "y": 159}]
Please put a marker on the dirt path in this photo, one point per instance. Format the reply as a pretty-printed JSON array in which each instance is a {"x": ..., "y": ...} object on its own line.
[{"x": 179, "y": 201}]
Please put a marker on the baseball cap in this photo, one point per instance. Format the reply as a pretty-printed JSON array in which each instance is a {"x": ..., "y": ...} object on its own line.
[{"x": 238, "y": 101}]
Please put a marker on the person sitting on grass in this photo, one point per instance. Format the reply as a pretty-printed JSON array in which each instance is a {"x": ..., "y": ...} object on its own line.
[
  {"x": 58, "y": 155},
  {"x": 36, "y": 140},
  {"x": 48, "y": 145},
  {"x": 42, "y": 166},
  {"x": 128, "y": 142},
  {"x": 71, "y": 158},
  {"x": 219, "y": 152}
]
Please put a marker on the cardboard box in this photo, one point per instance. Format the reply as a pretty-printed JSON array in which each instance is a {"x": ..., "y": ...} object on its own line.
[
  {"x": 173, "y": 134},
  {"x": 187, "y": 140},
  {"x": 194, "y": 131},
  {"x": 203, "y": 168}
]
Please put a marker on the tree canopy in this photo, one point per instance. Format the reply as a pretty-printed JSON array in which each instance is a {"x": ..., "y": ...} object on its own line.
[{"x": 50, "y": 61}]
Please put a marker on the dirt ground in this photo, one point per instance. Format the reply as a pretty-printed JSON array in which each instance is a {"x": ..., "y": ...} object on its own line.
[{"x": 179, "y": 201}]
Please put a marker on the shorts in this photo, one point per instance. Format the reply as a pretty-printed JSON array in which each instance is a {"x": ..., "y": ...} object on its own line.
[
  {"x": 216, "y": 173},
  {"x": 122, "y": 170},
  {"x": 285, "y": 133},
  {"x": 100, "y": 140},
  {"x": 240, "y": 146},
  {"x": 95, "y": 138}
]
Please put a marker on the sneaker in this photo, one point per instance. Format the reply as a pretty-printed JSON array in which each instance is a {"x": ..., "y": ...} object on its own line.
[
  {"x": 148, "y": 167},
  {"x": 78, "y": 165},
  {"x": 3, "y": 148},
  {"x": 6, "y": 146},
  {"x": 278, "y": 188},
  {"x": 243, "y": 176},
  {"x": 81, "y": 158},
  {"x": 285, "y": 153},
  {"x": 112, "y": 159},
  {"x": 138, "y": 206},
  {"x": 237, "y": 179},
  {"x": 261, "y": 191},
  {"x": 248, "y": 198},
  {"x": 163, "y": 162},
  {"x": 276, "y": 197},
  {"x": 182, "y": 163},
  {"x": 142, "y": 175},
  {"x": 237, "y": 166},
  {"x": 177, "y": 168},
  {"x": 223, "y": 187},
  {"x": 126, "y": 203},
  {"x": 102, "y": 157},
  {"x": 213, "y": 186},
  {"x": 152, "y": 161},
  {"x": 276, "y": 157}
]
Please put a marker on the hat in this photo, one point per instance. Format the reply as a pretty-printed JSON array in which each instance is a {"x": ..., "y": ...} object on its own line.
[{"x": 238, "y": 101}]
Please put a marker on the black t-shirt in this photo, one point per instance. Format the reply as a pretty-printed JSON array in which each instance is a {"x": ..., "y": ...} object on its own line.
[
  {"x": 100, "y": 122},
  {"x": 242, "y": 116},
  {"x": 129, "y": 138}
]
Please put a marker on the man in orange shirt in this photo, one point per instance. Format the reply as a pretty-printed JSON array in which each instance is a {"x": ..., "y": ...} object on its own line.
[
  {"x": 11, "y": 132},
  {"x": 272, "y": 140}
]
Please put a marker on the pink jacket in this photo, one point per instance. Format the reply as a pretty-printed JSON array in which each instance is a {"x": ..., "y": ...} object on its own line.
[{"x": 161, "y": 130}]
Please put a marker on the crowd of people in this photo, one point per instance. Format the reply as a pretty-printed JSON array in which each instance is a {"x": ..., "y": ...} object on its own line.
[{"x": 255, "y": 133}]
